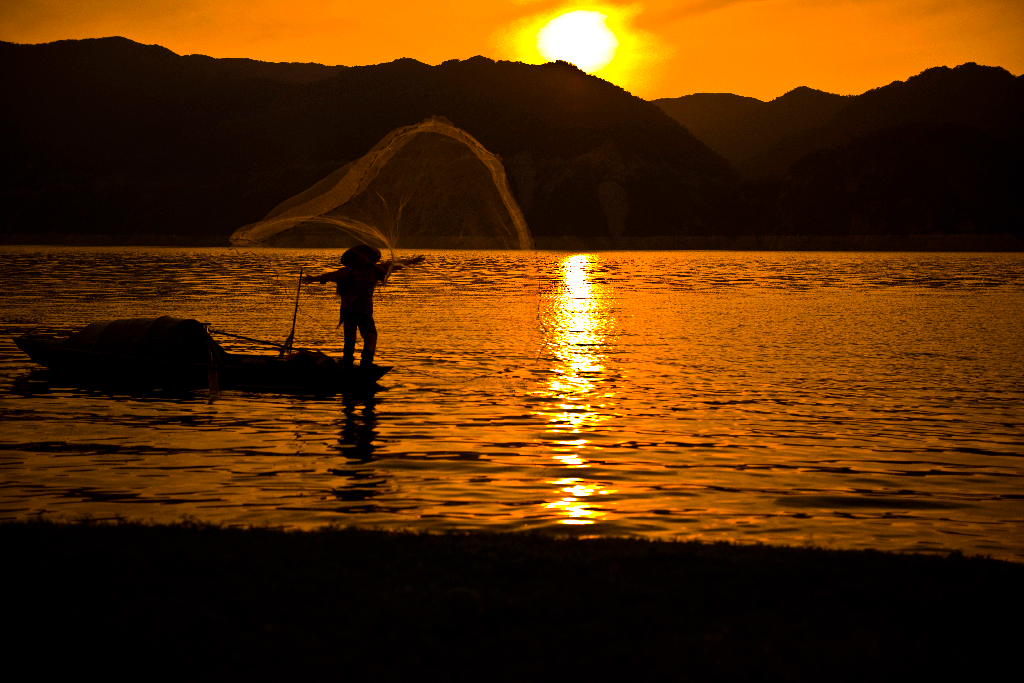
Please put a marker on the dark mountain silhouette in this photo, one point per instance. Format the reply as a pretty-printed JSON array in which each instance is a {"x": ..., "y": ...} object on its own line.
[
  {"x": 109, "y": 136},
  {"x": 935, "y": 155},
  {"x": 288, "y": 72},
  {"x": 745, "y": 130},
  {"x": 987, "y": 99},
  {"x": 916, "y": 178},
  {"x": 766, "y": 138}
]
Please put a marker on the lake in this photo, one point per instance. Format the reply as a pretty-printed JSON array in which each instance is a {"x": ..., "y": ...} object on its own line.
[{"x": 845, "y": 400}]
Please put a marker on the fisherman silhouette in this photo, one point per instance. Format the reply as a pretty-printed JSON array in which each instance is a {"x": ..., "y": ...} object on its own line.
[{"x": 356, "y": 280}]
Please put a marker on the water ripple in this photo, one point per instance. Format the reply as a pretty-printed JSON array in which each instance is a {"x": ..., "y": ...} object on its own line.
[{"x": 849, "y": 400}]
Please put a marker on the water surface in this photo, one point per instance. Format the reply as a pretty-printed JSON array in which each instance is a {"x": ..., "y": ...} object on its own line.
[{"x": 852, "y": 400}]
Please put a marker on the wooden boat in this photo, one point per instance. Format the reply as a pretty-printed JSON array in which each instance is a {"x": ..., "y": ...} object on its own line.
[{"x": 170, "y": 352}]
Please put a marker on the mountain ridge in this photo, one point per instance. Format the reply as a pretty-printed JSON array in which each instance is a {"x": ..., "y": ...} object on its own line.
[
  {"x": 118, "y": 46},
  {"x": 90, "y": 117},
  {"x": 935, "y": 154},
  {"x": 111, "y": 137},
  {"x": 766, "y": 138}
]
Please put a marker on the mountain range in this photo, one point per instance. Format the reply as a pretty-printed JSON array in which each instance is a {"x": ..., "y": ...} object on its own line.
[
  {"x": 766, "y": 138},
  {"x": 937, "y": 154},
  {"x": 111, "y": 137}
]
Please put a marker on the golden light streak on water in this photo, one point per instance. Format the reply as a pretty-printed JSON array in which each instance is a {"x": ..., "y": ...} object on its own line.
[
  {"x": 572, "y": 504},
  {"x": 577, "y": 321}
]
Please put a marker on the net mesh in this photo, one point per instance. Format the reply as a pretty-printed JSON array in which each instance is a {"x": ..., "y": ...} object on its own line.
[{"x": 429, "y": 185}]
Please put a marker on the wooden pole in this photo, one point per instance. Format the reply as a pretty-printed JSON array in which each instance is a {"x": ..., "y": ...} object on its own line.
[{"x": 295, "y": 315}]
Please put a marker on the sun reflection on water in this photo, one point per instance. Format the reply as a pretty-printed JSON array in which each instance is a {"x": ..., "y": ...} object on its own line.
[
  {"x": 573, "y": 505},
  {"x": 577, "y": 323}
]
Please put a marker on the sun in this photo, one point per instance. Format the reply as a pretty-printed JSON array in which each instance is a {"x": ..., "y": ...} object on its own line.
[{"x": 581, "y": 38}]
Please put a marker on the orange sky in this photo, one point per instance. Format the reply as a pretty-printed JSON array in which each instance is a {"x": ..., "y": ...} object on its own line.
[{"x": 760, "y": 48}]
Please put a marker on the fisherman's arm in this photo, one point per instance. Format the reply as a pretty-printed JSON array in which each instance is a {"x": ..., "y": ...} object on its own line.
[
  {"x": 333, "y": 276},
  {"x": 400, "y": 263}
]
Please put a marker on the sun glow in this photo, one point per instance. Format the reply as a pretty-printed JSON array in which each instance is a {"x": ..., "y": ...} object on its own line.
[
  {"x": 611, "y": 45},
  {"x": 581, "y": 38}
]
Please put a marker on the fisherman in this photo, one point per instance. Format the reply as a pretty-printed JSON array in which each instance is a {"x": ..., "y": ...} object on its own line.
[{"x": 356, "y": 279}]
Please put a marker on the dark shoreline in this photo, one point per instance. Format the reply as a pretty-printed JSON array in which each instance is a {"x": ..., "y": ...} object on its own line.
[
  {"x": 265, "y": 603},
  {"x": 893, "y": 243}
]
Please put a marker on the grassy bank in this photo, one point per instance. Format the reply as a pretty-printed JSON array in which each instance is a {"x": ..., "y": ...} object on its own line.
[{"x": 156, "y": 601}]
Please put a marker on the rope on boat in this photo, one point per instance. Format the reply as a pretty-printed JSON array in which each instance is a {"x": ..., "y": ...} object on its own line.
[{"x": 249, "y": 339}]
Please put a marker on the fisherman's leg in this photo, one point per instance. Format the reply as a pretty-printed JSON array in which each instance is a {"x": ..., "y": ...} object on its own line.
[
  {"x": 368, "y": 329},
  {"x": 350, "y": 324}
]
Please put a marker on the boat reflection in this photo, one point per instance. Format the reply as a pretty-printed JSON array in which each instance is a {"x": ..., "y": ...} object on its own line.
[{"x": 577, "y": 323}]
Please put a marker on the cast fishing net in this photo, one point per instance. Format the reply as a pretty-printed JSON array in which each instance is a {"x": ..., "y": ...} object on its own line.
[{"x": 429, "y": 185}]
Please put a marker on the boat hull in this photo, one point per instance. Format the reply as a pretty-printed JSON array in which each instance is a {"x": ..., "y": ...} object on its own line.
[{"x": 300, "y": 372}]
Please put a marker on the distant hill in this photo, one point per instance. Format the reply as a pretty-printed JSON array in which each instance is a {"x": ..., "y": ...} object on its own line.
[
  {"x": 94, "y": 54},
  {"x": 747, "y": 131},
  {"x": 287, "y": 72},
  {"x": 766, "y": 138},
  {"x": 915, "y": 178},
  {"x": 110, "y": 136},
  {"x": 937, "y": 154}
]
